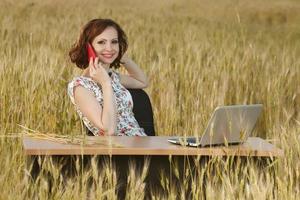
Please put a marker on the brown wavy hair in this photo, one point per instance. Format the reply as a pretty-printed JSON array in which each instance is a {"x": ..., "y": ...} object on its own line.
[{"x": 93, "y": 28}]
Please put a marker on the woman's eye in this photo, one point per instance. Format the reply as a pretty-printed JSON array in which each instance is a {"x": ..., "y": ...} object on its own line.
[
  {"x": 115, "y": 42},
  {"x": 101, "y": 42}
]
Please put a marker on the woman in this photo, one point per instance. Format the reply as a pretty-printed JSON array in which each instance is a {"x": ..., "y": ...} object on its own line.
[{"x": 99, "y": 94}]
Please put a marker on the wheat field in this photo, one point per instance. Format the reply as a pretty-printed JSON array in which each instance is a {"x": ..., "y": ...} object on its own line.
[{"x": 196, "y": 54}]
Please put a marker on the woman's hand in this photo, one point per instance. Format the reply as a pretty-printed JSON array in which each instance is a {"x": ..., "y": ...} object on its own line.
[
  {"x": 136, "y": 77},
  {"x": 98, "y": 73}
]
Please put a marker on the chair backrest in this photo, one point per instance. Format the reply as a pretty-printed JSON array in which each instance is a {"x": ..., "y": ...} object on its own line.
[{"x": 142, "y": 110}]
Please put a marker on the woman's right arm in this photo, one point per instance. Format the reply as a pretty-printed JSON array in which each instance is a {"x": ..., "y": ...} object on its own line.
[{"x": 103, "y": 118}]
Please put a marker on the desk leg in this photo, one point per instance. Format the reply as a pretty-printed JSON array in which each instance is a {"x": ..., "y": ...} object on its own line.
[
  {"x": 32, "y": 167},
  {"x": 269, "y": 165}
]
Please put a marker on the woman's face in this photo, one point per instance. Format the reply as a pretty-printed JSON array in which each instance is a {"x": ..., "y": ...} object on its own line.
[{"x": 106, "y": 45}]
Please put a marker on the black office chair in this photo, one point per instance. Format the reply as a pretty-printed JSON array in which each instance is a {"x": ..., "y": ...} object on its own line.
[{"x": 142, "y": 110}]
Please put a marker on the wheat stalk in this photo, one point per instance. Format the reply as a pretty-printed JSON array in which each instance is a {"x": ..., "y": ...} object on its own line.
[{"x": 65, "y": 139}]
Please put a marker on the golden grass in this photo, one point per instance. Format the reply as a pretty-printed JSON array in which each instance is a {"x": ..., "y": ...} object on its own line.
[
  {"x": 65, "y": 139},
  {"x": 197, "y": 55}
]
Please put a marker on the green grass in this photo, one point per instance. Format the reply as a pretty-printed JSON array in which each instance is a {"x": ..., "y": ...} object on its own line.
[{"x": 197, "y": 55}]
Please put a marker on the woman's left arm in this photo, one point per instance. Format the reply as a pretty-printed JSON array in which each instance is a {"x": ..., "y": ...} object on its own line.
[{"x": 136, "y": 78}]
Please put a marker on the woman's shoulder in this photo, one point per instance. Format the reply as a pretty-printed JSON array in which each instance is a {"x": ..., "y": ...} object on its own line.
[
  {"x": 81, "y": 77},
  {"x": 83, "y": 81}
]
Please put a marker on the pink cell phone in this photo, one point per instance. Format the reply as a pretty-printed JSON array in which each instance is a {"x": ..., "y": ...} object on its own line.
[{"x": 90, "y": 51}]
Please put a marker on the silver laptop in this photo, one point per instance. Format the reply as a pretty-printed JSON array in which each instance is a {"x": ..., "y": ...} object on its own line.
[{"x": 228, "y": 125}]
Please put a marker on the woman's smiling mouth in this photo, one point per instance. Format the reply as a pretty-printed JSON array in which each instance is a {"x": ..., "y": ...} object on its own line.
[{"x": 107, "y": 55}]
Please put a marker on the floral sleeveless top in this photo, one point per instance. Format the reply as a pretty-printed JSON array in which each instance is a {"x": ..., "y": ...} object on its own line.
[{"x": 126, "y": 123}]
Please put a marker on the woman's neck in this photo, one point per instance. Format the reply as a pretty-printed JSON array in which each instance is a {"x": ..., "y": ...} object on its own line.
[{"x": 105, "y": 66}]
